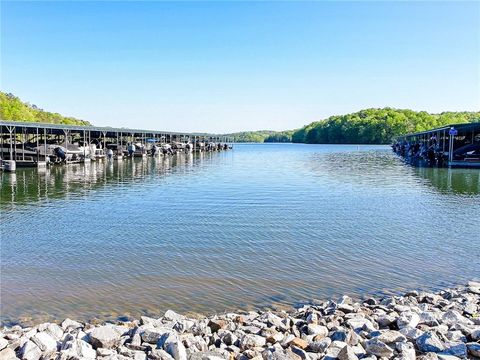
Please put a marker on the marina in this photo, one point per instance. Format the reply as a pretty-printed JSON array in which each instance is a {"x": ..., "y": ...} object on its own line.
[
  {"x": 235, "y": 180},
  {"x": 450, "y": 146},
  {"x": 26, "y": 144},
  {"x": 207, "y": 232}
]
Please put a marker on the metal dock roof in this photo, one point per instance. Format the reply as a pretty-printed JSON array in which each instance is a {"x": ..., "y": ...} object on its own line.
[
  {"x": 460, "y": 126},
  {"x": 59, "y": 128}
]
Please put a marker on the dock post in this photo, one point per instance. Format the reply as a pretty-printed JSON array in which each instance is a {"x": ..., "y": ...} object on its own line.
[
  {"x": 45, "y": 142},
  {"x": 451, "y": 137},
  {"x": 104, "y": 142},
  {"x": 10, "y": 130},
  {"x": 66, "y": 132},
  {"x": 15, "y": 145},
  {"x": 23, "y": 143},
  {"x": 38, "y": 150}
]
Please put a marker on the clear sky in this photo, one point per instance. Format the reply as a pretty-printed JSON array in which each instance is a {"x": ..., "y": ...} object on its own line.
[{"x": 228, "y": 66}]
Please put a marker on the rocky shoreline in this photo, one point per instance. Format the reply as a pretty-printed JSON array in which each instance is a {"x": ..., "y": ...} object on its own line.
[{"x": 417, "y": 325}]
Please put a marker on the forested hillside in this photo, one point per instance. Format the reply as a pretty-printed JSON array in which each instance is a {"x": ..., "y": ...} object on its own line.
[
  {"x": 262, "y": 136},
  {"x": 369, "y": 126},
  {"x": 376, "y": 126},
  {"x": 14, "y": 109}
]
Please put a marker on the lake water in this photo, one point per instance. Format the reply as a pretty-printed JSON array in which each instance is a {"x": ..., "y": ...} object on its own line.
[{"x": 260, "y": 226}]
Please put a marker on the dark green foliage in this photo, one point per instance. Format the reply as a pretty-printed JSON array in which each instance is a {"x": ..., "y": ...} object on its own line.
[
  {"x": 280, "y": 137},
  {"x": 262, "y": 136},
  {"x": 376, "y": 126},
  {"x": 13, "y": 109}
]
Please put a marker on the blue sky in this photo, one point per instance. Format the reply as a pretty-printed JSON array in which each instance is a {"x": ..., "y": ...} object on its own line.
[{"x": 228, "y": 66}]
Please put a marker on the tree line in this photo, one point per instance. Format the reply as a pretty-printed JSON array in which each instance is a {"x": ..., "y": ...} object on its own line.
[
  {"x": 14, "y": 109},
  {"x": 369, "y": 126},
  {"x": 376, "y": 126},
  {"x": 261, "y": 136}
]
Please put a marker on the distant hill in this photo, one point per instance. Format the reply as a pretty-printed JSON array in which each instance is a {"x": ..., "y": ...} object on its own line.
[
  {"x": 376, "y": 126},
  {"x": 369, "y": 126},
  {"x": 14, "y": 109},
  {"x": 262, "y": 136}
]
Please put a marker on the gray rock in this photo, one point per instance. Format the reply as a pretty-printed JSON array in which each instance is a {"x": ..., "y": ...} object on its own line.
[
  {"x": 249, "y": 341},
  {"x": 428, "y": 318},
  {"x": 320, "y": 346},
  {"x": 209, "y": 355},
  {"x": 69, "y": 324},
  {"x": 390, "y": 336},
  {"x": 139, "y": 355},
  {"x": 172, "y": 345},
  {"x": 152, "y": 336},
  {"x": 335, "y": 348},
  {"x": 3, "y": 343},
  {"x": 385, "y": 320},
  {"x": 339, "y": 335},
  {"x": 280, "y": 354},
  {"x": 361, "y": 324},
  {"x": 447, "y": 357},
  {"x": 456, "y": 336},
  {"x": 408, "y": 319},
  {"x": 146, "y": 320},
  {"x": 359, "y": 350},
  {"x": 7, "y": 354},
  {"x": 428, "y": 356},
  {"x": 105, "y": 352},
  {"x": 12, "y": 336},
  {"x": 406, "y": 350},
  {"x": 474, "y": 349},
  {"x": 173, "y": 316},
  {"x": 470, "y": 308},
  {"x": 45, "y": 342},
  {"x": 300, "y": 352},
  {"x": 160, "y": 354},
  {"x": 177, "y": 350},
  {"x": 271, "y": 335},
  {"x": 475, "y": 335},
  {"x": 458, "y": 349},
  {"x": 411, "y": 333},
  {"x": 136, "y": 339},
  {"x": 452, "y": 317},
  {"x": 312, "y": 318},
  {"x": 429, "y": 342},
  {"x": 313, "y": 329},
  {"x": 55, "y": 331},
  {"x": 274, "y": 320},
  {"x": 347, "y": 353},
  {"x": 378, "y": 348},
  {"x": 85, "y": 350},
  {"x": 105, "y": 337},
  {"x": 30, "y": 351}
]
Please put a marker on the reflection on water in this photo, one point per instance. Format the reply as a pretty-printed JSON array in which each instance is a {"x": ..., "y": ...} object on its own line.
[
  {"x": 458, "y": 181},
  {"x": 263, "y": 225},
  {"x": 30, "y": 185}
]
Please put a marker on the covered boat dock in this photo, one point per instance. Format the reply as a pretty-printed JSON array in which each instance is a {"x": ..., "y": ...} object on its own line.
[
  {"x": 37, "y": 144},
  {"x": 456, "y": 145}
]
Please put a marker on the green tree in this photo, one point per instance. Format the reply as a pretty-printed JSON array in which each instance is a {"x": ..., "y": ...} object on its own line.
[{"x": 13, "y": 109}]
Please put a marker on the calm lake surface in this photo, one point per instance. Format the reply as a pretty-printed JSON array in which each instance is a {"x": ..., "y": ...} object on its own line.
[{"x": 260, "y": 226}]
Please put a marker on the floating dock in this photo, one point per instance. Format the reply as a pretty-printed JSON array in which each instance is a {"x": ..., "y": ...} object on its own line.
[
  {"x": 456, "y": 145},
  {"x": 40, "y": 144}
]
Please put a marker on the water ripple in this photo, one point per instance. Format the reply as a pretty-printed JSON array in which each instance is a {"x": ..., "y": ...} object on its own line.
[{"x": 263, "y": 225}]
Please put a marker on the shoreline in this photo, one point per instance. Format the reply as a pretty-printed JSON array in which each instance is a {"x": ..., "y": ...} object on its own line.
[{"x": 417, "y": 325}]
